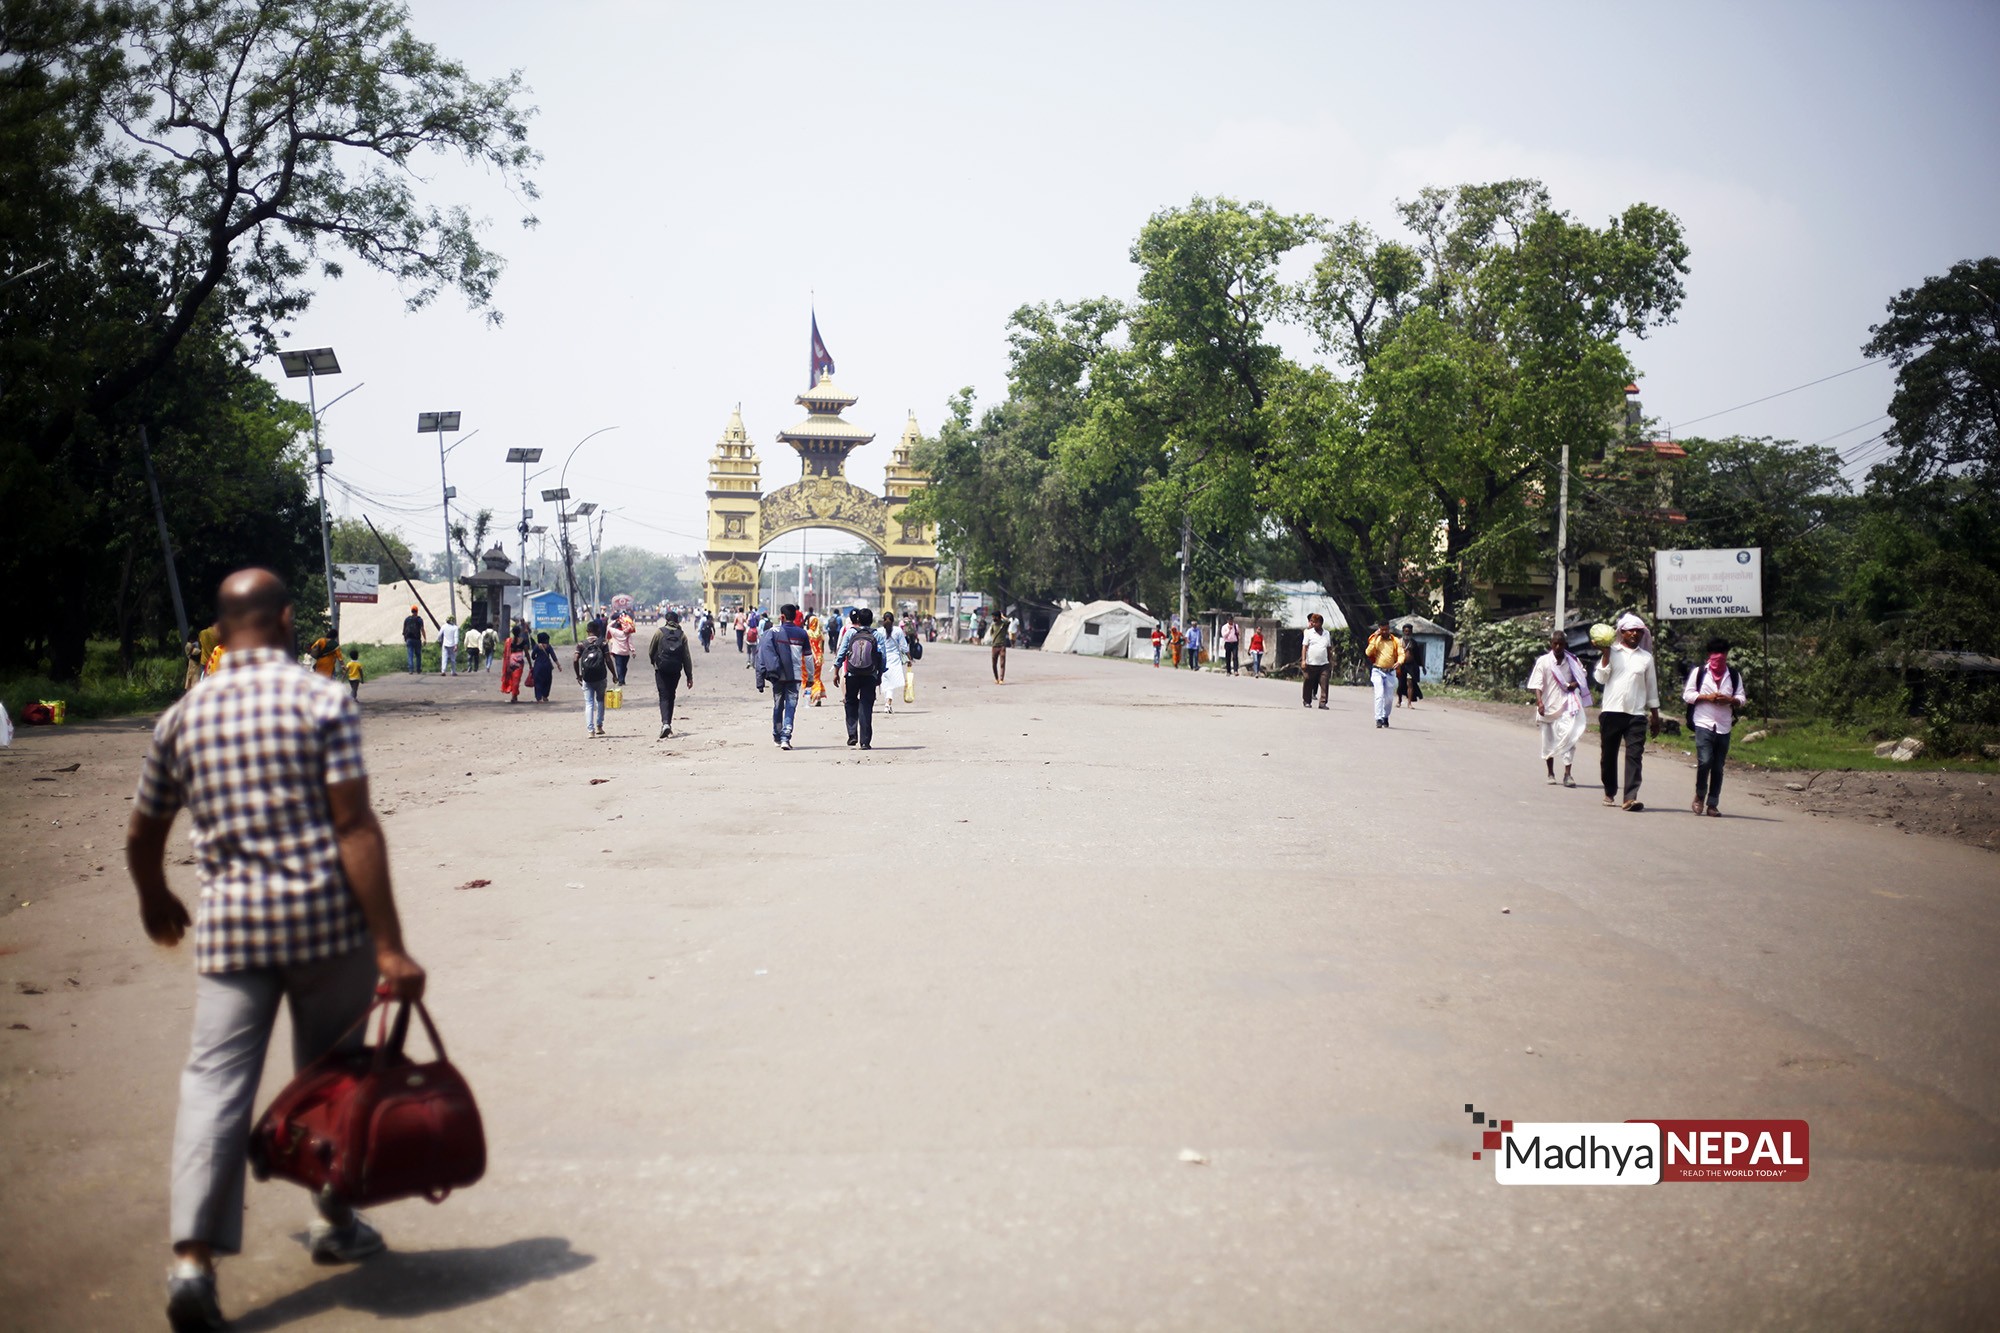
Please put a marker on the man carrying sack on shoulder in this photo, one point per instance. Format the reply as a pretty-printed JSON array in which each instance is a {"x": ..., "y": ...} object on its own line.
[{"x": 295, "y": 906}]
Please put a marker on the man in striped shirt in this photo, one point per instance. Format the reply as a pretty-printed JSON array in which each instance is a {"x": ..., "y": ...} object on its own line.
[{"x": 295, "y": 905}]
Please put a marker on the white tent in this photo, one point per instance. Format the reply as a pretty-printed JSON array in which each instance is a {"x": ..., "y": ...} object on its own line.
[{"x": 1101, "y": 629}]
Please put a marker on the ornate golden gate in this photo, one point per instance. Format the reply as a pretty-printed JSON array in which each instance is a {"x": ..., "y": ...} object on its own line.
[{"x": 742, "y": 520}]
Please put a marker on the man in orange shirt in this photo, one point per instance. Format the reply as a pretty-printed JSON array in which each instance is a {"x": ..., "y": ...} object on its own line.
[{"x": 1385, "y": 654}]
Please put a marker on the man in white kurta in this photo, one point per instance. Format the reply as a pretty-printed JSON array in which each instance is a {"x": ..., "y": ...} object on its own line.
[{"x": 1562, "y": 692}]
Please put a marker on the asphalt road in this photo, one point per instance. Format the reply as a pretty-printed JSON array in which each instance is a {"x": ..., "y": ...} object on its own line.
[{"x": 919, "y": 1039}]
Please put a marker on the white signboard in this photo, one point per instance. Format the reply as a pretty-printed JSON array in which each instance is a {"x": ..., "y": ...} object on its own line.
[
  {"x": 1698, "y": 585},
  {"x": 356, "y": 583}
]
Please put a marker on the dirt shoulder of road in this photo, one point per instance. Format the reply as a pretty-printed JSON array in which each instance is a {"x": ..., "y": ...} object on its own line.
[{"x": 1963, "y": 807}]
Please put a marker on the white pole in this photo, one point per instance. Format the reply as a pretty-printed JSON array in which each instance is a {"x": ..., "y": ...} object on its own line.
[
  {"x": 1562, "y": 542},
  {"x": 325, "y": 542}
]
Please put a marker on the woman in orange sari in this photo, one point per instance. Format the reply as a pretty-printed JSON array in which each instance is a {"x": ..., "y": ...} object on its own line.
[
  {"x": 515, "y": 664},
  {"x": 816, "y": 636}
]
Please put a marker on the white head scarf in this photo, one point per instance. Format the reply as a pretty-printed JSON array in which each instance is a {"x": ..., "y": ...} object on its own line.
[{"x": 1631, "y": 621}]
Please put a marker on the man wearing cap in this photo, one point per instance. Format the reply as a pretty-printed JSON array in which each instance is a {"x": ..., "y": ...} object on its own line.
[
  {"x": 413, "y": 640},
  {"x": 1629, "y": 707}
]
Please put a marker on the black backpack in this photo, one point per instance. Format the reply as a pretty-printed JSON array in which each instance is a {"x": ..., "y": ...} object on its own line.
[
  {"x": 916, "y": 648},
  {"x": 591, "y": 665},
  {"x": 861, "y": 656}
]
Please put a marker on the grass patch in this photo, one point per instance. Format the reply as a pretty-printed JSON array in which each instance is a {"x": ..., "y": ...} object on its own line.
[
  {"x": 1815, "y": 746},
  {"x": 105, "y": 690}
]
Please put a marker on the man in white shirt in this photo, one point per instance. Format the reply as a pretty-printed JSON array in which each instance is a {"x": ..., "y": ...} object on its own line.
[
  {"x": 1562, "y": 693},
  {"x": 448, "y": 647},
  {"x": 1630, "y": 707},
  {"x": 1714, "y": 692},
  {"x": 1316, "y": 657}
]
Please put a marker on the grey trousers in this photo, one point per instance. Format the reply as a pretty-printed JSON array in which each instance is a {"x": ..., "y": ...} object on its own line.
[{"x": 234, "y": 1014}]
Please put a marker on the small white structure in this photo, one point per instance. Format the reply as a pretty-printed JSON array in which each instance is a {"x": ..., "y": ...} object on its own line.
[
  {"x": 1101, "y": 629},
  {"x": 1302, "y": 600}
]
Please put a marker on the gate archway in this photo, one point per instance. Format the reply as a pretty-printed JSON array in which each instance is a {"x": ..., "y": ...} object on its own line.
[{"x": 743, "y": 519}]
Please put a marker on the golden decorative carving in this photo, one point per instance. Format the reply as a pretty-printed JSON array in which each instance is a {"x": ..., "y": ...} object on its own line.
[{"x": 832, "y": 502}]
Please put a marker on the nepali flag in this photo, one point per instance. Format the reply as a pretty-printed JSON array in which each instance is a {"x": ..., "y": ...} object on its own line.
[{"x": 822, "y": 360}]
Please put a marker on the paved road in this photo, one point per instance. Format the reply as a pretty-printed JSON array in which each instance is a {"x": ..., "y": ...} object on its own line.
[{"x": 916, "y": 1039}]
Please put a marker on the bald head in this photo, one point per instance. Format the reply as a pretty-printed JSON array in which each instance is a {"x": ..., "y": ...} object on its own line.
[{"x": 254, "y": 609}]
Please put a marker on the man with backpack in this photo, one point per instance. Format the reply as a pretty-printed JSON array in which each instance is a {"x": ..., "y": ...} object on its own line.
[
  {"x": 592, "y": 664},
  {"x": 1714, "y": 692},
  {"x": 671, "y": 658},
  {"x": 863, "y": 650},
  {"x": 784, "y": 662},
  {"x": 749, "y": 644},
  {"x": 413, "y": 641}
]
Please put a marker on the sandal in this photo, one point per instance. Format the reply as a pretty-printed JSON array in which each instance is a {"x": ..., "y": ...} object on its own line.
[
  {"x": 1611, "y": 800},
  {"x": 1634, "y": 807},
  {"x": 1568, "y": 781}
]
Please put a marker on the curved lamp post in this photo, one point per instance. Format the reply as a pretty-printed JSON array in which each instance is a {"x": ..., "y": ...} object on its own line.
[{"x": 562, "y": 487}]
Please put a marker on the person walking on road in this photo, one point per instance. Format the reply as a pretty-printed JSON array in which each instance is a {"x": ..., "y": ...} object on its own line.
[
  {"x": 738, "y": 620},
  {"x": 592, "y": 664},
  {"x": 896, "y": 661},
  {"x": 1630, "y": 708},
  {"x": 1562, "y": 693},
  {"x": 1410, "y": 675},
  {"x": 295, "y": 906},
  {"x": 863, "y": 649},
  {"x": 1193, "y": 646},
  {"x": 1231, "y": 639},
  {"x": 671, "y": 658},
  {"x": 448, "y": 647},
  {"x": 1714, "y": 692},
  {"x": 1385, "y": 655},
  {"x": 784, "y": 662},
  {"x": 618, "y": 638},
  {"x": 1315, "y": 659},
  {"x": 489, "y": 643},
  {"x": 998, "y": 638},
  {"x": 544, "y": 666},
  {"x": 413, "y": 641},
  {"x": 706, "y": 630},
  {"x": 1159, "y": 644},
  {"x": 816, "y": 637},
  {"x": 1257, "y": 653},
  {"x": 354, "y": 672}
]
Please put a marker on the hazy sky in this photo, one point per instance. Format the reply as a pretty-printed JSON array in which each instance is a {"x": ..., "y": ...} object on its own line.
[{"x": 920, "y": 171}]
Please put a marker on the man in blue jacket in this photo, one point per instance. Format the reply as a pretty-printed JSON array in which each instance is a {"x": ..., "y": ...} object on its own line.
[{"x": 784, "y": 661}]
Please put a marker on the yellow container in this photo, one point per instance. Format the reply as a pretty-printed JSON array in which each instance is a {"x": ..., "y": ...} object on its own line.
[
  {"x": 614, "y": 697},
  {"x": 58, "y": 710}
]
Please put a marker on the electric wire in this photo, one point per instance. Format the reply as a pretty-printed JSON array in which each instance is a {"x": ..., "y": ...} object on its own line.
[{"x": 1682, "y": 425}]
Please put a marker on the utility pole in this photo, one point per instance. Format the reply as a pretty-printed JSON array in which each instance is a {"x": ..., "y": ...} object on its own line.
[
  {"x": 1562, "y": 542},
  {"x": 166, "y": 544},
  {"x": 1187, "y": 536}
]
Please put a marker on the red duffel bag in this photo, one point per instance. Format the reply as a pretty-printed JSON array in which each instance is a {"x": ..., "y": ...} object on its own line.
[{"x": 369, "y": 1125}]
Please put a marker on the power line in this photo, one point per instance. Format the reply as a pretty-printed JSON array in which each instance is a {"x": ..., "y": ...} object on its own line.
[{"x": 1681, "y": 425}]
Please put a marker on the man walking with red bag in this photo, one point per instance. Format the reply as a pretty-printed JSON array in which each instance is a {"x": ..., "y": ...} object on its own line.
[{"x": 295, "y": 905}]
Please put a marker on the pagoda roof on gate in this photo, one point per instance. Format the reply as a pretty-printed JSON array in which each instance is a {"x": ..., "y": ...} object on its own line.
[{"x": 825, "y": 400}]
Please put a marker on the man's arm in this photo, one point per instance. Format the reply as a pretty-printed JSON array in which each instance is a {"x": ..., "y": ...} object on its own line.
[
  {"x": 163, "y": 914},
  {"x": 364, "y": 855}
]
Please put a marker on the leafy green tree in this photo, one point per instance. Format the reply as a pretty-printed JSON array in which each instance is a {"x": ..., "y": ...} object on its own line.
[
  {"x": 175, "y": 175},
  {"x": 354, "y": 544},
  {"x": 1944, "y": 339},
  {"x": 1485, "y": 343},
  {"x": 645, "y": 576}
]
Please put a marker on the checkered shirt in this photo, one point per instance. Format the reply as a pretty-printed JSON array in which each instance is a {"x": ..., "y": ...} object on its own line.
[{"x": 250, "y": 752}]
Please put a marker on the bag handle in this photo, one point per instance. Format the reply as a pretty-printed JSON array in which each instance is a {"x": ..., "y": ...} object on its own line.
[{"x": 399, "y": 1031}]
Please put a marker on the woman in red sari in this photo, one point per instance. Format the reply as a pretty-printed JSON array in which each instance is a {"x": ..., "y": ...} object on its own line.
[
  {"x": 515, "y": 664},
  {"x": 816, "y": 636}
]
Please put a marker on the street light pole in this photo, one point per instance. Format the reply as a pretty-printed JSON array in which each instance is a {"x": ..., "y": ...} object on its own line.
[
  {"x": 524, "y": 457},
  {"x": 562, "y": 484},
  {"x": 439, "y": 423},
  {"x": 312, "y": 364}
]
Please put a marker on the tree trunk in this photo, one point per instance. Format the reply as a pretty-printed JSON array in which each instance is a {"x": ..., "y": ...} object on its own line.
[{"x": 122, "y": 607}]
